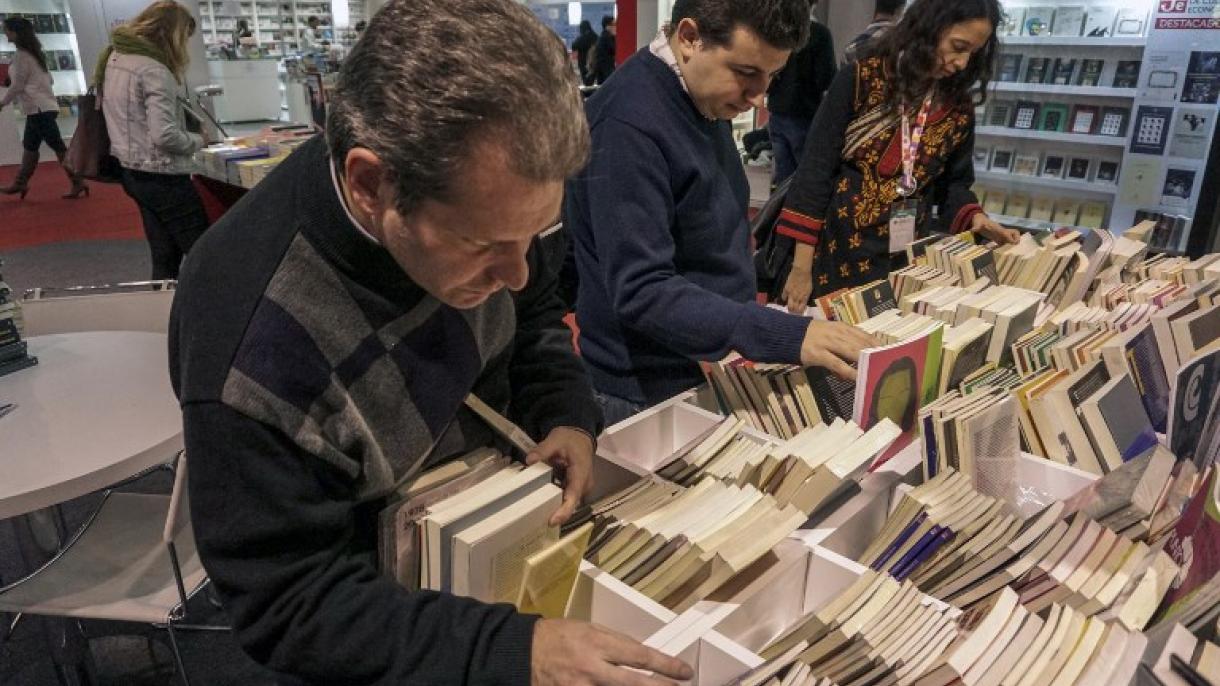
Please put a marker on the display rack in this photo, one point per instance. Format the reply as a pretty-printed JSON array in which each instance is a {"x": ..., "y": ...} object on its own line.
[
  {"x": 56, "y": 31},
  {"x": 276, "y": 25},
  {"x": 1128, "y": 85}
]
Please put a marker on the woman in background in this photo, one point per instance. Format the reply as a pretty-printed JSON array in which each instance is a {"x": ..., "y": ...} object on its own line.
[
  {"x": 141, "y": 73},
  {"x": 30, "y": 87},
  {"x": 895, "y": 137},
  {"x": 581, "y": 47}
]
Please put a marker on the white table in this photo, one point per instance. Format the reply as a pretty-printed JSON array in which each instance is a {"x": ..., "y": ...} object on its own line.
[{"x": 97, "y": 408}]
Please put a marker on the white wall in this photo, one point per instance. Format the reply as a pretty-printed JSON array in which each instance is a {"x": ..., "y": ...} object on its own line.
[
  {"x": 846, "y": 19},
  {"x": 94, "y": 19}
]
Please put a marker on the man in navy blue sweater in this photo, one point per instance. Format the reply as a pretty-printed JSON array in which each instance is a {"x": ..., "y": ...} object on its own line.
[{"x": 658, "y": 218}]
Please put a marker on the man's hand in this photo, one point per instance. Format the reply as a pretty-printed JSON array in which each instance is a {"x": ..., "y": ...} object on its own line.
[
  {"x": 985, "y": 226},
  {"x": 833, "y": 345},
  {"x": 797, "y": 289},
  {"x": 570, "y": 452},
  {"x": 567, "y": 653}
]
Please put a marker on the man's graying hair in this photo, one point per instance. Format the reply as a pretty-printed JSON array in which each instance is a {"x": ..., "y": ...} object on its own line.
[{"x": 431, "y": 80}]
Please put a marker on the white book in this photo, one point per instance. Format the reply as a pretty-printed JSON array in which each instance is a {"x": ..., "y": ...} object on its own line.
[
  {"x": 1069, "y": 20},
  {"x": 464, "y": 509},
  {"x": 489, "y": 556},
  {"x": 1100, "y": 21}
]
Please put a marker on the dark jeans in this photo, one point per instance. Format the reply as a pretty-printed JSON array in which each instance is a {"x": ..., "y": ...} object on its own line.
[
  {"x": 616, "y": 409},
  {"x": 173, "y": 215},
  {"x": 41, "y": 128},
  {"x": 787, "y": 144}
]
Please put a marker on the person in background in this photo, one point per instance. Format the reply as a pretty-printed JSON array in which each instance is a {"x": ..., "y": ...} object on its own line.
[
  {"x": 242, "y": 31},
  {"x": 795, "y": 95},
  {"x": 604, "y": 51},
  {"x": 311, "y": 36},
  {"x": 581, "y": 47},
  {"x": 401, "y": 263},
  {"x": 30, "y": 87},
  {"x": 658, "y": 217},
  {"x": 140, "y": 75},
  {"x": 895, "y": 138},
  {"x": 885, "y": 14}
]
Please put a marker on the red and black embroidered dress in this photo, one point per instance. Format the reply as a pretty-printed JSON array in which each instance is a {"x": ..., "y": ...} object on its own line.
[{"x": 842, "y": 193}]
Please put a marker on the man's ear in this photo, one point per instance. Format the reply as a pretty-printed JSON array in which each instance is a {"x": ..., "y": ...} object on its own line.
[
  {"x": 364, "y": 176},
  {"x": 689, "y": 41}
]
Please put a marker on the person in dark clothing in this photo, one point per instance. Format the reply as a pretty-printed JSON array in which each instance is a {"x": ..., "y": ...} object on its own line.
[
  {"x": 603, "y": 53},
  {"x": 794, "y": 97},
  {"x": 885, "y": 14},
  {"x": 402, "y": 263},
  {"x": 658, "y": 218},
  {"x": 581, "y": 47},
  {"x": 895, "y": 137}
]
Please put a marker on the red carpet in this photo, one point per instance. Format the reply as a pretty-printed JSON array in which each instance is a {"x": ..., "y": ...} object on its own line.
[{"x": 44, "y": 217}]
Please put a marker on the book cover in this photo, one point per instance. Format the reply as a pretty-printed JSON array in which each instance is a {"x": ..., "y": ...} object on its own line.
[
  {"x": 1127, "y": 74},
  {"x": 549, "y": 576},
  {"x": 44, "y": 23},
  {"x": 1038, "y": 20},
  {"x": 1013, "y": 22},
  {"x": 1196, "y": 404},
  {"x": 878, "y": 298},
  {"x": 890, "y": 386},
  {"x": 67, "y": 62},
  {"x": 1054, "y": 117},
  {"x": 1099, "y": 23},
  {"x": 1069, "y": 21},
  {"x": 1010, "y": 67},
  {"x": 1025, "y": 165},
  {"x": 1026, "y": 116},
  {"x": 1038, "y": 70},
  {"x": 834, "y": 396},
  {"x": 1195, "y": 546},
  {"x": 1065, "y": 69},
  {"x": 1130, "y": 21},
  {"x": 1125, "y": 431},
  {"x": 1090, "y": 72},
  {"x": 61, "y": 24},
  {"x": 1001, "y": 113},
  {"x": 1084, "y": 119}
]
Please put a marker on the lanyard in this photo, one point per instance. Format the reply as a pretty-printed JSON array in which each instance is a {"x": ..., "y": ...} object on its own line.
[{"x": 910, "y": 146}]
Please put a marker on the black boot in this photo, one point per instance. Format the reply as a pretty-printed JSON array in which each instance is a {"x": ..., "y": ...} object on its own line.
[{"x": 21, "y": 184}]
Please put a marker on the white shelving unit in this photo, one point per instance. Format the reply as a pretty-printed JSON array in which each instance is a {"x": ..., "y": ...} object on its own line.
[
  {"x": 1071, "y": 41},
  {"x": 1059, "y": 185},
  {"x": 1051, "y": 136},
  {"x": 1069, "y": 17},
  {"x": 1070, "y": 91}
]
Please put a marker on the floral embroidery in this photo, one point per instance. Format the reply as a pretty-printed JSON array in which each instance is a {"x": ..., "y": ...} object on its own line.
[
  {"x": 832, "y": 246},
  {"x": 823, "y": 280},
  {"x": 855, "y": 240},
  {"x": 844, "y": 185},
  {"x": 863, "y": 266},
  {"x": 844, "y": 271}
]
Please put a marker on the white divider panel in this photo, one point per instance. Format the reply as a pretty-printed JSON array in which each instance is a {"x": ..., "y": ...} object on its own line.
[
  {"x": 602, "y": 599},
  {"x": 1041, "y": 481},
  {"x": 649, "y": 437}
]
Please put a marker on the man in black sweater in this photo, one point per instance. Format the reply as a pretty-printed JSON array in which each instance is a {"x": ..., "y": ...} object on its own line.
[
  {"x": 327, "y": 330},
  {"x": 658, "y": 218},
  {"x": 794, "y": 97},
  {"x": 605, "y": 50}
]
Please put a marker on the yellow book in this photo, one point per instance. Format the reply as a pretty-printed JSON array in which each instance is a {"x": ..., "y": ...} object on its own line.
[
  {"x": 1042, "y": 209},
  {"x": 549, "y": 575},
  {"x": 1092, "y": 215},
  {"x": 1067, "y": 212}
]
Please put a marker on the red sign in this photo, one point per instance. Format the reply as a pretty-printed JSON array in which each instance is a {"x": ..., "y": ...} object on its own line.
[{"x": 1197, "y": 24}]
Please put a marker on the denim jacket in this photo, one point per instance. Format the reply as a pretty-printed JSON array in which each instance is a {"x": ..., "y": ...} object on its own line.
[{"x": 144, "y": 117}]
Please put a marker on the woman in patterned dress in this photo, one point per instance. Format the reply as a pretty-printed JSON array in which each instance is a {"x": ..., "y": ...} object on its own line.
[{"x": 858, "y": 182}]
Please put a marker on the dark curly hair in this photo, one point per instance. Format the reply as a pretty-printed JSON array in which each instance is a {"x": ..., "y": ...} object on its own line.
[{"x": 915, "y": 40}]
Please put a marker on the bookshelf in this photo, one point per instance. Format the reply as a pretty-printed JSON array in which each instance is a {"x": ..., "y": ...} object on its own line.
[
  {"x": 1061, "y": 185},
  {"x": 1071, "y": 41},
  {"x": 1051, "y": 136},
  {"x": 1050, "y": 89},
  {"x": 276, "y": 25}
]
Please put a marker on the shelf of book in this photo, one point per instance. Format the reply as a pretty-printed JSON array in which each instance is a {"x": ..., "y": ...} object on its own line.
[
  {"x": 1052, "y": 89},
  {"x": 1051, "y": 136},
  {"x": 1074, "y": 41},
  {"x": 1065, "y": 185}
]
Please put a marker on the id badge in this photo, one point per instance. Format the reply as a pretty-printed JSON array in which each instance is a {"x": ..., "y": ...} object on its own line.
[{"x": 902, "y": 224}]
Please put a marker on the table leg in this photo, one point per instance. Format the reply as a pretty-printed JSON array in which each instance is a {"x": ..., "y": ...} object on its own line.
[{"x": 39, "y": 536}]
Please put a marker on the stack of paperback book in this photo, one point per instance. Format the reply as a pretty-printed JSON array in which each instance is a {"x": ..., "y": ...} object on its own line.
[
  {"x": 809, "y": 471},
  {"x": 963, "y": 547},
  {"x": 13, "y": 350}
]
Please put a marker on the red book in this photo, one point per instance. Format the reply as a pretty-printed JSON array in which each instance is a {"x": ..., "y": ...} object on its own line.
[{"x": 889, "y": 384}]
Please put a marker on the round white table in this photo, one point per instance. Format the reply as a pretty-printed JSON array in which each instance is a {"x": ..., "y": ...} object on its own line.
[{"x": 96, "y": 409}]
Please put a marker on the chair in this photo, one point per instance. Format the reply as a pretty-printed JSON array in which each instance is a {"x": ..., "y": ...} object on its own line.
[
  {"x": 136, "y": 306},
  {"x": 134, "y": 560}
]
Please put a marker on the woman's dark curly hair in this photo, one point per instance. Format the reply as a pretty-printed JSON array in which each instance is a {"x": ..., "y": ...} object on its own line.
[{"x": 916, "y": 38}]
